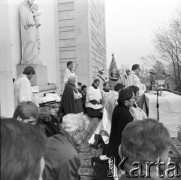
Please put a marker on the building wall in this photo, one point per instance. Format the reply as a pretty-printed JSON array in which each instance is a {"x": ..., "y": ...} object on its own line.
[
  {"x": 66, "y": 28},
  {"x": 97, "y": 36},
  {"x": 82, "y": 37},
  {"x": 6, "y": 75}
]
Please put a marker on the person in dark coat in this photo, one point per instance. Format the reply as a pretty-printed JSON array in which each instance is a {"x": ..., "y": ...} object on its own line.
[
  {"x": 120, "y": 118},
  {"x": 61, "y": 158},
  {"x": 84, "y": 92},
  {"x": 71, "y": 98}
]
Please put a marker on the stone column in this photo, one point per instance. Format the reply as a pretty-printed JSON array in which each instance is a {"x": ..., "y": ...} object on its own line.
[{"x": 6, "y": 75}]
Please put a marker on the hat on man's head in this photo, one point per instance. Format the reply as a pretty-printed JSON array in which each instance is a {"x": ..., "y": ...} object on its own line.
[{"x": 50, "y": 99}]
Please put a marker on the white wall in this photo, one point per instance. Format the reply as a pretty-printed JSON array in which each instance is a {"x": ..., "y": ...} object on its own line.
[
  {"x": 48, "y": 36},
  {"x": 6, "y": 77}
]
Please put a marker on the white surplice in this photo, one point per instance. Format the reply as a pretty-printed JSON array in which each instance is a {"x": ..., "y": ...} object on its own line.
[
  {"x": 110, "y": 99},
  {"x": 23, "y": 90},
  {"x": 93, "y": 94}
]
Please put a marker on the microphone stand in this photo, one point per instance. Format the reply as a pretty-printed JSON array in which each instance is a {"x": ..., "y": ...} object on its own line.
[{"x": 157, "y": 106}]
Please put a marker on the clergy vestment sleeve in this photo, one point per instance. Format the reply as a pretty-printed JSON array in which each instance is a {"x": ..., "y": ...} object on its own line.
[
  {"x": 136, "y": 81},
  {"x": 90, "y": 94},
  {"x": 69, "y": 170},
  {"x": 25, "y": 91}
]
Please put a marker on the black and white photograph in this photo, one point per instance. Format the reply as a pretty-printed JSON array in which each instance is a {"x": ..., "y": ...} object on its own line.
[{"x": 90, "y": 89}]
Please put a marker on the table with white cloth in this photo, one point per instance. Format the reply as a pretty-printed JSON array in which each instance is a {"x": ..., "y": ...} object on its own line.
[{"x": 169, "y": 110}]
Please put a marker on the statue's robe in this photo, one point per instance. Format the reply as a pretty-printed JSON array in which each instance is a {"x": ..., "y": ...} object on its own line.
[{"x": 29, "y": 35}]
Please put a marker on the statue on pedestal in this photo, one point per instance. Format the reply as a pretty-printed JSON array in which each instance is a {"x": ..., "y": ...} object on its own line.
[{"x": 30, "y": 38}]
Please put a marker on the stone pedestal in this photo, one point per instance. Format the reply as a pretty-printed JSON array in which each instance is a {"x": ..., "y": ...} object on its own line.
[{"x": 40, "y": 77}]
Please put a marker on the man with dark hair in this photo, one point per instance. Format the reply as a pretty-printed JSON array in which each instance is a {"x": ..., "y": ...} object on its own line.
[
  {"x": 22, "y": 86},
  {"x": 69, "y": 72},
  {"x": 106, "y": 86},
  {"x": 120, "y": 118},
  {"x": 29, "y": 71},
  {"x": 94, "y": 100},
  {"x": 22, "y": 151},
  {"x": 144, "y": 142},
  {"x": 26, "y": 112}
]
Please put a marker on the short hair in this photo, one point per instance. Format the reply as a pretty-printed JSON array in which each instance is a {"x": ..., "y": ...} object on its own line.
[
  {"x": 135, "y": 66},
  {"x": 124, "y": 95},
  {"x": 118, "y": 86},
  {"x": 105, "y": 83},
  {"x": 26, "y": 110},
  {"x": 83, "y": 87},
  {"x": 69, "y": 63},
  {"x": 22, "y": 147},
  {"x": 96, "y": 80},
  {"x": 28, "y": 70},
  {"x": 134, "y": 88},
  {"x": 144, "y": 140},
  {"x": 44, "y": 115}
]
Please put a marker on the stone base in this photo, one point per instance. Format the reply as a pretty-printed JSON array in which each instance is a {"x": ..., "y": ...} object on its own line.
[{"x": 40, "y": 78}]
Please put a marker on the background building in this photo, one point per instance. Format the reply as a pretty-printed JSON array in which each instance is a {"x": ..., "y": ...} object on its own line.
[{"x": 82, "y": 37}]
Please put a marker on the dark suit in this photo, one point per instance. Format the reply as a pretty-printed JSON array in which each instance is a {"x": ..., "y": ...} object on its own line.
[{"x": 61, "y": 159}]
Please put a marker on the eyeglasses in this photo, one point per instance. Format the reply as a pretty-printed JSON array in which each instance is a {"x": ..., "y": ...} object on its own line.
[{"x": 32, "y": 122}]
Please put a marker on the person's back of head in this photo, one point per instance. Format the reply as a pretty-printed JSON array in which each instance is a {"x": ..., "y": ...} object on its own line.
[
  {"x": 135, "y": 66},
  {"x": 22, "y": 151},
  {"x": 27, "y": 112},
  {"x": 75, "y": 128},
  {"x": 118, "y": 87},
  {"x": 124, "y": 95},
  {"x": 144, "y": 141},
  {"x": 28, "y": 70}
]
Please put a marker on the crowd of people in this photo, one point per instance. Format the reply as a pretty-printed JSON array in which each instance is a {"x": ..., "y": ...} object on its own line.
[{"x": 41, "y": 141}]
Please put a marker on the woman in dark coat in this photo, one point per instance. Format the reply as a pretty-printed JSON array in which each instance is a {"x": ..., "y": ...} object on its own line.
[
  {"x": 120, "y": 118},
  {"x": 70, "y": 104}
]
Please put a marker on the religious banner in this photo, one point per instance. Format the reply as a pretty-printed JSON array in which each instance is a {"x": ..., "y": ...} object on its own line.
[{"x": 113, "y": 73}]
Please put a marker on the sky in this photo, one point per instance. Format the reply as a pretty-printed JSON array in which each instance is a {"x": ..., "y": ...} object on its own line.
[{"x": 130, "y": 26}]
